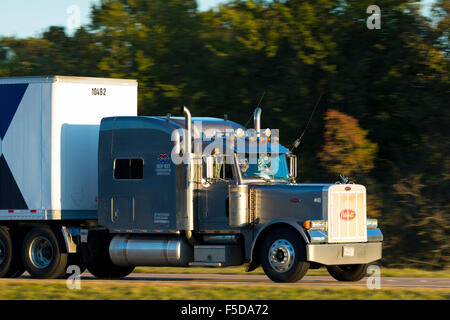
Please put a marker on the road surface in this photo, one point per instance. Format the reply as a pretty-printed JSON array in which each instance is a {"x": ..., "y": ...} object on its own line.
[{"x": 316, "y": 281}]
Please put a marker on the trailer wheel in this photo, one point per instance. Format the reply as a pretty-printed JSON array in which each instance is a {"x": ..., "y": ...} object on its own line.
[
  {"x": 348, "y": 272},
  {"x": 10, "y": 261},
  {"x": 283, "y": 256},
  {"x": 43, "y": 255}
]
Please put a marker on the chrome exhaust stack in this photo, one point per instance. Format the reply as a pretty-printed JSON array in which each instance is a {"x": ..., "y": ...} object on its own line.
[
  {"x": 257, "y": 120},
  {"x": 188, "y": 127},
  {"x": 188, "y": 160}
]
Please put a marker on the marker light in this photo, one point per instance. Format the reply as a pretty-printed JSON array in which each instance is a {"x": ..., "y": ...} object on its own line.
[
  {"x": 240, "y": 133},
  {"x": 315, "y": 225},
  {"x": 372, "y": 223}
]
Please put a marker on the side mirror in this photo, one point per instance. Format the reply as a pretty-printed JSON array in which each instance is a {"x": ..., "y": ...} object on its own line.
[{"x": 292, "y": 166}]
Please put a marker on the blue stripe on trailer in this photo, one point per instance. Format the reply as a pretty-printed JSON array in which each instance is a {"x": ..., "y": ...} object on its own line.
[
  {"x": 10, "y": 195},
  {"x": 10, "y": 97}
]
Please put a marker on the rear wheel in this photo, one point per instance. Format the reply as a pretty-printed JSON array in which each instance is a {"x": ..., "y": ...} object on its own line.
[
  {"x": 43, "y": 255},
  {"x": 348, "y": 272},
  {"x": 110, "y": 271},
  {"x": 10, "y": 261},
  {"x": 99, "y": 263},
  {"x": 283, "y": 255}
]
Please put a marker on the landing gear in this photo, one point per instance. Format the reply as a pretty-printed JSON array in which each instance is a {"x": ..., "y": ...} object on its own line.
[{"x": 283, "y": 256}]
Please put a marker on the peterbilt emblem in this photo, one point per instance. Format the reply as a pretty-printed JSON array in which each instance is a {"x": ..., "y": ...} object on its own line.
[
  {"x": 348, "y": 188},
  {"x": 295, "y": 200},
  {"x": 347, "y": 214}
]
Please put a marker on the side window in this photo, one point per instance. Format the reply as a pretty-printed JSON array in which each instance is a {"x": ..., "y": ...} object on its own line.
[
  {"x": 221, "y": 169},
  {"x": 128, "y": 169}
]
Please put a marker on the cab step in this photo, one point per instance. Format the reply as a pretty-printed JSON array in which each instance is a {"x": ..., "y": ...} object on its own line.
[{"x": 217, "y": 255}]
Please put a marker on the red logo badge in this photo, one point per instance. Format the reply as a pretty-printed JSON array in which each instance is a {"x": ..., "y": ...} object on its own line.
[
  {"x": 163, "y": 158},
  {"x": 347, "y": 214}
]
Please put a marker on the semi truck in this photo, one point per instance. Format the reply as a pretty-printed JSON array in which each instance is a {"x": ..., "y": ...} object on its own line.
[{"x": 85, "y": 181}]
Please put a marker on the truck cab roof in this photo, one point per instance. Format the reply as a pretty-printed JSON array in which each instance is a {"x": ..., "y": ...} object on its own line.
[{"x": 206, "y": 125}]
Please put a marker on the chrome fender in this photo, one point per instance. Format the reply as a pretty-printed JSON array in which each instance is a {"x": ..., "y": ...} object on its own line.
[{"x": 292, "y": 223}]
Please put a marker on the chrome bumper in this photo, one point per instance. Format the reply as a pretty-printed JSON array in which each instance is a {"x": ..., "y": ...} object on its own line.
[
  {"x": 343, "y": 253},
  {"x": 373, "y": 235}
]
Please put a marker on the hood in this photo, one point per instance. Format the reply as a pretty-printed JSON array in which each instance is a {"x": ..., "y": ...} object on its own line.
[{"x": 290, "y": 201}]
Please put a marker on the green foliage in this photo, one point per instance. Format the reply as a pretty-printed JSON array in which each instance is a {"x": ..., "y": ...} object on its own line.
[{"x": 394, "y": 81}]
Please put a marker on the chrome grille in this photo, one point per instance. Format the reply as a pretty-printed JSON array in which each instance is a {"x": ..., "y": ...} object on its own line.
[{"x": 347, "y": 213}]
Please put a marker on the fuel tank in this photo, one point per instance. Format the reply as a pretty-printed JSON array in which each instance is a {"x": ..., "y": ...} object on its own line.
[{"x": 137, "y": 250}]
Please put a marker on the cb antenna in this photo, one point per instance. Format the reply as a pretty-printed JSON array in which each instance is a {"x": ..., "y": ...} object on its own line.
[{"x": 299, "y": 140}]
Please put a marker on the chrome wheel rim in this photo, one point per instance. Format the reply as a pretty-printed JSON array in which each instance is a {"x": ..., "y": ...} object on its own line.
[
  {"x": 281, "y": 255},
  {"x": 41, "y": 252},
  {"x": 2, "y": 251}
]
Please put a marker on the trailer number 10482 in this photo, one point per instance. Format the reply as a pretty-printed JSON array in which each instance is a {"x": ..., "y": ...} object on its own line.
[{"x": 99, "y": 91}]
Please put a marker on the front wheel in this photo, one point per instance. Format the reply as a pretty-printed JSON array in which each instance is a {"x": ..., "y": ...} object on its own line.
[
  {"x": 348, "y": 272},
  {"x": 283, "y": 256}
]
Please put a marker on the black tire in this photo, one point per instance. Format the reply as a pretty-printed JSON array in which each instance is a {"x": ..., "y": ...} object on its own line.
[
  {"x": 99, "y": 263},
  {"x": 110, "y": 271},
  {"x": 10, "y": 261},
  {"x": 74, "y": 259},
  {"x": 287, "y": 260},
  {"x": 348, "y": 272},
  {"x": 43, "y": 254}
]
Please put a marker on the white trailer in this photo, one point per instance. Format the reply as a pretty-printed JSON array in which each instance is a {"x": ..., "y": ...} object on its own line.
[{"x": 49, "y": 132}]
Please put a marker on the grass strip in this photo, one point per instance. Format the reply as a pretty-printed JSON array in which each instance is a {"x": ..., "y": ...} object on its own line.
[{"x": 103, "y": 290}]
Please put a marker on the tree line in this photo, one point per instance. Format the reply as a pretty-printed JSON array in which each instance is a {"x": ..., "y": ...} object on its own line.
[{"x": 383, "y": 116}]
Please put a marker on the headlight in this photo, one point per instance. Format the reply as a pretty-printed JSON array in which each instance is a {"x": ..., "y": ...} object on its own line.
[
  {"x": 315, "y": 225},
  {"x": 372, "y": 223}
]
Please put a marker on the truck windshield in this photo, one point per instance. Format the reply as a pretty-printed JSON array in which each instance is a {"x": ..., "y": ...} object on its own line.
[{"x": 263, "y": 166}]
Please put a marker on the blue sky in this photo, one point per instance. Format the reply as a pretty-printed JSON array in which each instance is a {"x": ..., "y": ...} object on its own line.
[{"x": 29, "y": 18}]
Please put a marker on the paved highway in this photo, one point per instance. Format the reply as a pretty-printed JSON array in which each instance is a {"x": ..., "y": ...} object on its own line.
[{"x": 324, "y": 281}]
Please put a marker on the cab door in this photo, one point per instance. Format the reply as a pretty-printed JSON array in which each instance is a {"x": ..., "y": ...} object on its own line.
[{"x": 213, "y": 204}]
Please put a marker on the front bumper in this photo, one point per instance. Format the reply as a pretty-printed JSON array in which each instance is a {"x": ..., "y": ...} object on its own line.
[{"x": 343, "y": 253}]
